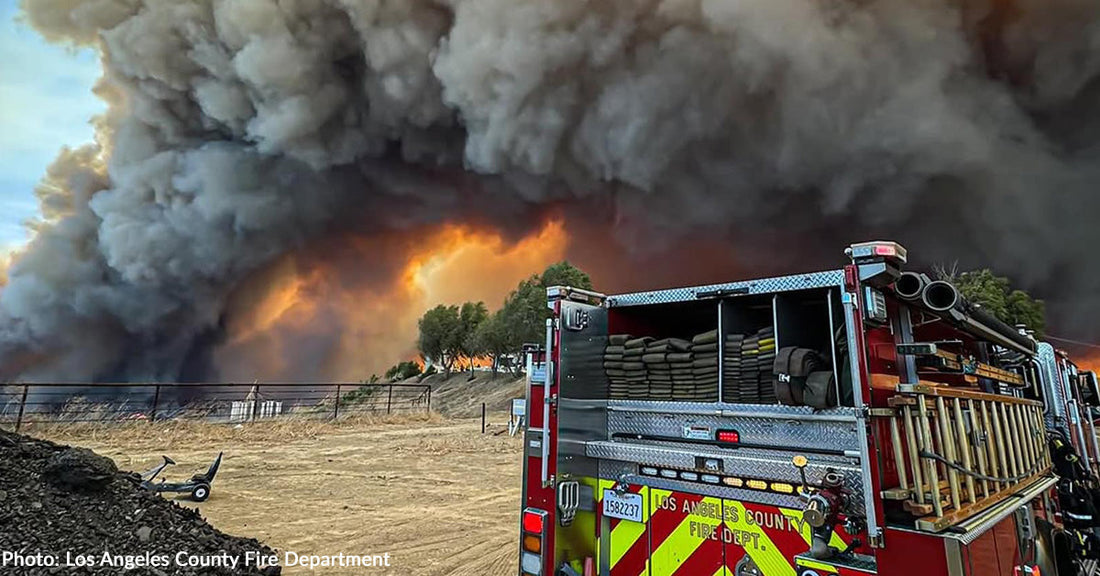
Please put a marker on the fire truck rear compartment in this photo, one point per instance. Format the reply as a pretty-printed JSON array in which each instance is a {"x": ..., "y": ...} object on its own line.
[
  {"x": 751, "y": 330},
  {"x": 650, "y": 402},
  {"x": 637, "y": 441}
]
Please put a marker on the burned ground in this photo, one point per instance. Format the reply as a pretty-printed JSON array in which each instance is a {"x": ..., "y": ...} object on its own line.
[{"x": 58, "y": 500}]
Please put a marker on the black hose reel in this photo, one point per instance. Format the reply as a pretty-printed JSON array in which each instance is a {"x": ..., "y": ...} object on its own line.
[{"x": 802, "y": 377}]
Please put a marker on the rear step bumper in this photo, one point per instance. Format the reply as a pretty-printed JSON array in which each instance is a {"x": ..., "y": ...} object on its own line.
[{"x": 769, "y": 466}]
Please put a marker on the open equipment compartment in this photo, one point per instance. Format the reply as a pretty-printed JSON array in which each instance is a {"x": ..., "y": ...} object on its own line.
[
  {"x": 747, "y": 349},
  {"x": 663, "y": 352},
  {"x": 735, "y": 340},
  {"x": 669, "y": 320},
  {"x": 813, "y": 320}
]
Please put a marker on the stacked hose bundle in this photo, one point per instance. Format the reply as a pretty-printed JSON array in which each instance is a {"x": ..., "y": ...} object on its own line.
[
  {"x": 765, "y": 363},
  {"x": 683, "y": 375},
  {"x": 732, "y": 368},
  {"x": 704, "y": 368},
  {"x": 618, "y": 387},
  {"x": 754, "y": 386},
  {"x": 633, "y": 350},
  {"x": 658, "y": 366}
]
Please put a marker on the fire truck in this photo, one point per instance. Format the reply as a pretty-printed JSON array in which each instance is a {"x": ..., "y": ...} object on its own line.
[{"x": 862, "y": 420}]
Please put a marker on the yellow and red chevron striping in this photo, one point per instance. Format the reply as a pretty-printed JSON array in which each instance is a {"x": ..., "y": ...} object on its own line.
[{"x": 686, "y": 534}]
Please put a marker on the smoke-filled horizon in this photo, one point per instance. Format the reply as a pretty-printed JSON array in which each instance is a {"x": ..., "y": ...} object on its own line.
[{"x": 696, "y": 136}]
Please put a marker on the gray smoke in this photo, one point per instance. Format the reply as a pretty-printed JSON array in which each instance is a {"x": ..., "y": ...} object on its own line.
[{"x": 239, "y": 130}]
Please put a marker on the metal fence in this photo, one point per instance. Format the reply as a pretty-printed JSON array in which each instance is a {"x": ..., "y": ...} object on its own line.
[{"x": 22, "y": 404}]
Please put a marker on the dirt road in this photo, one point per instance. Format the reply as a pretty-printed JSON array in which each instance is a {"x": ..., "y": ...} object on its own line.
[{"x": 438, "y": 496}]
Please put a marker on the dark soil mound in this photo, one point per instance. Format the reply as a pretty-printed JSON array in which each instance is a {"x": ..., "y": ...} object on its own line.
[{"x": 74, "y": 506}]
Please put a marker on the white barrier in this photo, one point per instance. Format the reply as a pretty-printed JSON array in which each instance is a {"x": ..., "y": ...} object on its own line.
[{"x": 245, "y": 410}]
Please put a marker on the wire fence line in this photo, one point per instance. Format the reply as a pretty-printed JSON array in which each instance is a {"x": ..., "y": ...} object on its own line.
[{"x": 54, "y": 403}]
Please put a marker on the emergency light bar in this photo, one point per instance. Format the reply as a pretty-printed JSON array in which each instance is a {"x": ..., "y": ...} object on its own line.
[
  {"x": 875, "y": 250},
  {"x": 879, "y": 263},
  {"x": 732, "y": 481}
]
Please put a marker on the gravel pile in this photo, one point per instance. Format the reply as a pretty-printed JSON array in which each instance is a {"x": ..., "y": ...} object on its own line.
[{"x": 74, "y": 506}]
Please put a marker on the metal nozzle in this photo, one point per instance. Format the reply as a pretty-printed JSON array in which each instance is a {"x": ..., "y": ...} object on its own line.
[
  {"x": 940, "y": 296},
  {"x": 910, "y": 285},
  {"x": 816, "y": 511}
]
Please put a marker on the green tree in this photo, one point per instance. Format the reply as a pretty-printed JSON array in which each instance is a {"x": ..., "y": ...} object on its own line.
[
  {"x": 403, "y": 370},
  {"x": 996, "y": 296},
  {"x": 525, "y": 309},
  {"x": 565, "y": 274},
  {"x": 470, "y": 317},
  {"x": 438, "y": 329},
  {"x": 494, "y": 339},
  {"x": 451, "y": 333}
]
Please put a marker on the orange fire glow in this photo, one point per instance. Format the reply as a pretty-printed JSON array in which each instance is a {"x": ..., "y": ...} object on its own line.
[
  {"x": 1089, "y": 361},
  {"x": 331, "y": 316}
]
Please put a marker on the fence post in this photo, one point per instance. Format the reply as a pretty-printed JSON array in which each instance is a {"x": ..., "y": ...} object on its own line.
[
  {"x": 256, "y": 404},
  {"x": 482, "y": 417},
  {"x": 389, "y": 400},
  {"x": 22, "y": 405},
  {"x": 156, "y": 401},
  {"x": 336, "y": 409}
]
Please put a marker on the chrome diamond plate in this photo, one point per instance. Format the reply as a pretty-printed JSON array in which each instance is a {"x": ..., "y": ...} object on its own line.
[
  {"x": 1055, "y": 415},
  {"x": 774, "y": 429},
  {"x": 772, "y": 465},
  {"x": 761, "y": 286}
]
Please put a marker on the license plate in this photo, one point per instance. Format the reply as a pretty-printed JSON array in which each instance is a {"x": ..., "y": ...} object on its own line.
[{"x": 625, "y": 506}]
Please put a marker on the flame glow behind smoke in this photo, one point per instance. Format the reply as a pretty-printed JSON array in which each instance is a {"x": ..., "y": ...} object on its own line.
[{"x": 302, "y": 319}]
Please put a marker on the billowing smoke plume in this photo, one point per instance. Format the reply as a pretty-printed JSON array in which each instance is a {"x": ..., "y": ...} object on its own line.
[{"x": 239, "y": 131}]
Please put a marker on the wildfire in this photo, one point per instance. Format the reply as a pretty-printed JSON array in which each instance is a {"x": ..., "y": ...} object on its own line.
[
  {"x": 1089, "y": 361},
  {"x": 349, "y": 310}
]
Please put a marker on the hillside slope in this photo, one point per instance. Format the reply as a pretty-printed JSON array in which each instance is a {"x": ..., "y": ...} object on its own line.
[{"x": 461, "y": 397}]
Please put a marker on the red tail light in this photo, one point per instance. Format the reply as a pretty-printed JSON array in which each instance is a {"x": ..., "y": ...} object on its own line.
[
  {"x": 533, "y": 521},
  {"x": 730, "y": 436}
]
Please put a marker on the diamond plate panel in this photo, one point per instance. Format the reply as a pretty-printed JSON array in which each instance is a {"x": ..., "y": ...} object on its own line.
[
  {"x": 790, "y": 431},
  {"x": 1055, "y": 415},
  {"x": 773, "y": 465},
  {"x": 760, "y": 286}
]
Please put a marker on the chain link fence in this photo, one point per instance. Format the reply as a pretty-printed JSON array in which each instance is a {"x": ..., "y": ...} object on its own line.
[{"x": 55, "y": 403}]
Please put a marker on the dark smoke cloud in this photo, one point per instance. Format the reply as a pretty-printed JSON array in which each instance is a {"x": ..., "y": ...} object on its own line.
[{"x": 239, "y": 130}]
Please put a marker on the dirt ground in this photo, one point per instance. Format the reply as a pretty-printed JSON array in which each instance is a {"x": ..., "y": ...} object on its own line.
[{"x": 433, "y": 492}]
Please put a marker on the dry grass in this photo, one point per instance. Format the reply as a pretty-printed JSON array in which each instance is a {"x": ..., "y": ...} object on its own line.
[
  {"x": 169, "y": 434},
  {"x": 435, "y": 493}
]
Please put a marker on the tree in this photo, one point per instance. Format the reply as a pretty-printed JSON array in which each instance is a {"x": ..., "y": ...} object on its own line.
[
  {"x": 449, "y": 333},
  {"x": 438, "y": 328},
  {"x": 525, "y": 312},
  {"x": 494, "y": 339},
  {"x": 996, "y": 296},
  {"x": 565, "y": 274},
  {"x": 403, "y": 371},
  {"x": 470, "y": 317},
  {"x": 525, "y": 309}
]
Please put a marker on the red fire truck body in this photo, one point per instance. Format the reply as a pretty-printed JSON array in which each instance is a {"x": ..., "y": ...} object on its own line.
[{"x": 863, "y": 420}]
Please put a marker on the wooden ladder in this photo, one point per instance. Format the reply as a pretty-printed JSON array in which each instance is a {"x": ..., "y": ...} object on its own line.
[{"x": 958, "y": 451}]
